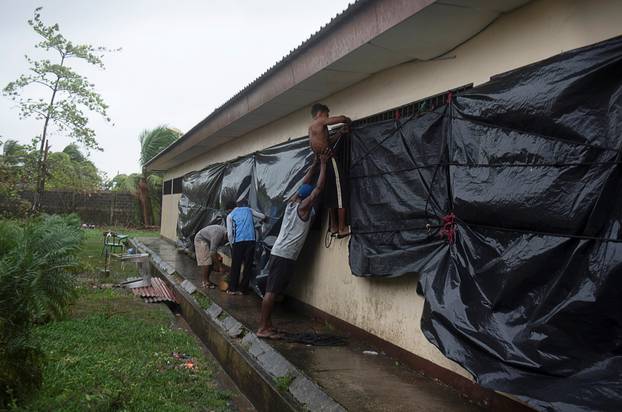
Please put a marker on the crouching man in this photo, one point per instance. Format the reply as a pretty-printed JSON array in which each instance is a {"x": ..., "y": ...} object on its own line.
[
  {"x": 297, "y": 218},
  {"x": 206, "y": 243}
]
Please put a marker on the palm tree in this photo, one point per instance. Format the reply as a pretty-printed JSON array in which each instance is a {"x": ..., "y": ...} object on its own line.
[
  {"x": 13, "y": 153},
  {"x": 16, "y": 165},
  {"x": 125, "y": 183},
  {"x": 149, "y": 184}
]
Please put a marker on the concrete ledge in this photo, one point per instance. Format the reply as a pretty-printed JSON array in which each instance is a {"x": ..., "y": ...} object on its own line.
[{"x": 268, "y": 380}]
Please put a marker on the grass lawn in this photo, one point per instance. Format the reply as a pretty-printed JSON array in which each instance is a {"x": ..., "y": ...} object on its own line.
[
  {"x": 115, "y": 352},
  {"x": 92, "y": 259}
]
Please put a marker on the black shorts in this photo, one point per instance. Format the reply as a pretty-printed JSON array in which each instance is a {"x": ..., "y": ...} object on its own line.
[
  {"x": 335, "y": 191},
  {"x": 280, "y": 271}
]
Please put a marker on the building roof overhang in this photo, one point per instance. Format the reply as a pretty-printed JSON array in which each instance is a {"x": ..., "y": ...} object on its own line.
[{"x": 368, "y": 37}]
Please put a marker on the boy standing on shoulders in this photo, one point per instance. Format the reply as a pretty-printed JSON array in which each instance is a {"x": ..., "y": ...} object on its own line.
[
  {"x": 297, "y": 218},
  {"x": 336, "y": 191}
]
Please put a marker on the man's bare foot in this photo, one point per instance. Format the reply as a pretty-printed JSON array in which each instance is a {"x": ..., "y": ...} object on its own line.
[{"x": 268, "y": 334}]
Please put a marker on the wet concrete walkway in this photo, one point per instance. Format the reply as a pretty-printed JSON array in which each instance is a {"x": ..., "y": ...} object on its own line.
[{"x": 359, "y": 382}]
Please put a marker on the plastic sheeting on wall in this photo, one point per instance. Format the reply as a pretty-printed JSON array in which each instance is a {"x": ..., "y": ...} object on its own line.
[
  {"x": 266, "y": 179},
  {"x": 508, "y": 203}
]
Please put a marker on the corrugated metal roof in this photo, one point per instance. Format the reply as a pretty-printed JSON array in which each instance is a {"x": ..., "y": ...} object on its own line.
[
  {"x": 322, "y": 30},
  {"x": 375, "y": 36},
  {"x": 157, "y": 292},
  {"x": 289, "y": 56}
]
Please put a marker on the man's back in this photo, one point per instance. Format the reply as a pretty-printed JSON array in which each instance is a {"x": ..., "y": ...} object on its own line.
[
  {"x": 318, "y": 135},
  {"x": 293, "y": 232},
  {"x": 243, "y": 227},
  {"x": 213, "y": 234}
]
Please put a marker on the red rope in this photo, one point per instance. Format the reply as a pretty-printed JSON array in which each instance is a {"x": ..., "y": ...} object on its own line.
[{"x": 448, "y": 228}]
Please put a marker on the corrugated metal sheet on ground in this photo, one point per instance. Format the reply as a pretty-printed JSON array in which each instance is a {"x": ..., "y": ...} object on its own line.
[{"x": 157, "y": 292}]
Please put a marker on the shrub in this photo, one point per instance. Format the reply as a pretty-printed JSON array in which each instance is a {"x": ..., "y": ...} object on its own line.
[{"x": 37, "y": 258}]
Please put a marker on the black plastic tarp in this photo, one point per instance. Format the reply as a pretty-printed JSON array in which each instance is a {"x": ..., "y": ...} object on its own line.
[
  {"x": 507, "y": 202},
  {"x": 199, "y": 204},
  {"x": 265, "y": 179}
]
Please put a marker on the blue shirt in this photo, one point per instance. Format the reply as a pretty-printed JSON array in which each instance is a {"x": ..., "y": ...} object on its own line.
[{"x": 240, "y": 224}]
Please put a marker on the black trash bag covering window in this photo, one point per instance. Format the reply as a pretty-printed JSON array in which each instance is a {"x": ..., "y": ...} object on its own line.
[{"x": 508, "y": 204}]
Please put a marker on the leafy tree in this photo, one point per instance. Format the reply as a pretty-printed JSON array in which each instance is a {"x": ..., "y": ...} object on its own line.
[
  {"x": 126, "y": 183},
  {"x": 69, "y": 94},
  {"x": 74, "y": 152},
  {"x": 67, "y": 172},
  {"x": 153, "y": 141},
  {"x": 17, "y": 164},
  {"x": 15, "y": 154},
  {"x": 149, "y": 187}
]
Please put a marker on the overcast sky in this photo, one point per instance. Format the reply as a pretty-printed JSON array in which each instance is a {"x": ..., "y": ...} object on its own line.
[{"x": 180, "y": 59}]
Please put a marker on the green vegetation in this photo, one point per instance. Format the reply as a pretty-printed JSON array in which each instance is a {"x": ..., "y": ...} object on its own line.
[
  {"x": 283, "y": 382},
  {"x": 147, "y": 186},
  {"x": 92, "y": 259},
  {"x": 71, "y": 170},
  {"x": 37, "y": 258},
  {"x": 16, "y": 167},
  {"x": 115, "y": 353},
  {"x": 63, "y": 97},
  {"x": 112, "y": 351},
  {"x": 66, "y": 170},
  {"x": 203, "y": 300}
]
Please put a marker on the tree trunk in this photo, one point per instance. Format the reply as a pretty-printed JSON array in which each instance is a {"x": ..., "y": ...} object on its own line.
[
  {"x": 145, "y": 201},
  {"x": 43, "y": 148},
  {"x": 38, "y": 195}
]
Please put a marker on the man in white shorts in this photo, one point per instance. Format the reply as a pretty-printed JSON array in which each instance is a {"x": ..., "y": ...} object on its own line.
[
  {"x": 206, "y": 243},
  {"x": 297, "y": 219}
]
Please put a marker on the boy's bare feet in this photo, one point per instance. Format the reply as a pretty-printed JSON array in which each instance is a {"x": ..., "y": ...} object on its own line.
[{"x": 344, "y": 233}]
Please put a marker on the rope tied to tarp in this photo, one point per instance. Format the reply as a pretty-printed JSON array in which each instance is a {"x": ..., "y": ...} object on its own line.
[{"x": 448, "y": 228}]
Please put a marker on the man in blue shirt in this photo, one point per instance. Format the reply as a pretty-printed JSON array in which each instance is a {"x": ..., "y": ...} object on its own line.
[{"x": 241, "y": 233}]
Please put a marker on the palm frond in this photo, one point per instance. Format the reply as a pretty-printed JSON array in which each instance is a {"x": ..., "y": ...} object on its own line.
[
  {"x": 155, "y": 140},
  {"x": 155, "y": 181}
]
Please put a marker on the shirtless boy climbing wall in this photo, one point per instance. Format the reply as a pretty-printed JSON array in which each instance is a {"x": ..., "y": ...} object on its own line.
[{"x": 336, "y": 190}]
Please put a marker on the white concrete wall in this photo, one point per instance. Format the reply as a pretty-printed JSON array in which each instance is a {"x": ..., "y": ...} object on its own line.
[
  {"x": 170, "y": 213},
  {"x": 391, "y": 309}
]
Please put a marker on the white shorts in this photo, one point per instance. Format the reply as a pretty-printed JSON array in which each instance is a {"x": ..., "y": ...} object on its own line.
[{"x": 201, "y": 250}]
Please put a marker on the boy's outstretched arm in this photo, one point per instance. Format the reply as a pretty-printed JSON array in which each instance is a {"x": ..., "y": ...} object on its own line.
[
  {"x": 344, "y": 130},
  {"x": 337, "y": 120}
]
